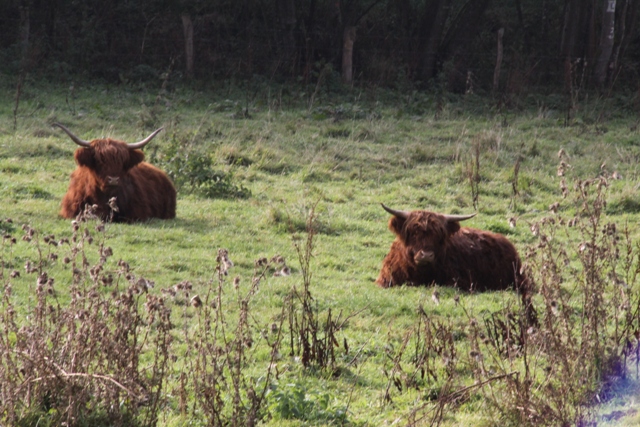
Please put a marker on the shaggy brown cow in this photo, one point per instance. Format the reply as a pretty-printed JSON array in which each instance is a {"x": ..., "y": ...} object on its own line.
[
  {"x": 108, "y": 168},
  {"x": 433, "y": 248}
]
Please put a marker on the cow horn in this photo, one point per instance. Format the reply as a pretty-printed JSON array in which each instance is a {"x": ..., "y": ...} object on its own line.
[
  {"x": 145, "y": 141},
  {"x": 458, "y": 217},
  {"x": 80, "y": 142},
  {"x": 401, "y": 214}
]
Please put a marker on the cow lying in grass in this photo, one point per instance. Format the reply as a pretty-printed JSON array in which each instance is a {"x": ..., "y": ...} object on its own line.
[
  {"x": 433, "y": 248},
  {"x": 109, "y": 169}
]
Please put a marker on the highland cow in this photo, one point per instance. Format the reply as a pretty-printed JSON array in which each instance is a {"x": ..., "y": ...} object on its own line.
[
  {"x": 109, "y": 169},
  {"x": 432, "y": 248}
]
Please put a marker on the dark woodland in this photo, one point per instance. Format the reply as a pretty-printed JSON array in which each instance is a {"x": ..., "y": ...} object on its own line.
[{"x": 499, "y": 46}]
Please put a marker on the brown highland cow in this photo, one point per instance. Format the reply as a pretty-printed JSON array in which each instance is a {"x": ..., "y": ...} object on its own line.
[
  {"x": 108, "y": 168},
  {"x": 433, "y": 248}
]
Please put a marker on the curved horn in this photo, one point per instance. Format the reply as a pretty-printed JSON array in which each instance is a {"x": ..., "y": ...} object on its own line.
[
  {"x": 401, "y": 214},
  {"x": 458, "y": 217},
  {"x": 80, "y": 142},
  {"x": 145, "y": 141}
]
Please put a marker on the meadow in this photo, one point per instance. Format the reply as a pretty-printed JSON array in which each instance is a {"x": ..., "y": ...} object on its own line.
[{"x": 101, "y": 324}]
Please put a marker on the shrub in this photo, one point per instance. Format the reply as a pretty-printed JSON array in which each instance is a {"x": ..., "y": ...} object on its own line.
[{"x": 193, "y": 171}]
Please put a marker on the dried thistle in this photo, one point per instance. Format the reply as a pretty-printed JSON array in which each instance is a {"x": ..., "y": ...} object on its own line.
[
  {"x": 113, "y": 205},
  {"x": 196, "y": 301},
  {"x": 435, "y": 296}
]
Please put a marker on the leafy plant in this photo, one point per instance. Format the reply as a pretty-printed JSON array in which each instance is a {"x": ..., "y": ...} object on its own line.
[
  {"x": 193, "y": 171},
  {"x": 296, "y": 401}
]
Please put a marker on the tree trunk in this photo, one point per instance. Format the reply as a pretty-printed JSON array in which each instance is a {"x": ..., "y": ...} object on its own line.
[
  {"x": 606, "y": 41},
  {"x": 349, "y": 38},
  {"x": 578, "y": 43},
  {"x": 628, "y": 20},
  {"x": 525, "y": 33},
  {"x": 496, "y": 71},
  {"x": 187, "y": 27},
  {"x": 436, "y": 14},
  {"x": 25, "y": 30},
  {"x": 457, "y": 44},
  {"x": 567, "y": 40},
  {"x": 309, "y": 41},
  {"x": 287, "y": 12}
]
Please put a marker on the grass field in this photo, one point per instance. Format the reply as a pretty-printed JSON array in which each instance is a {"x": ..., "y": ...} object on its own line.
[{"x": 254, "y": 167}]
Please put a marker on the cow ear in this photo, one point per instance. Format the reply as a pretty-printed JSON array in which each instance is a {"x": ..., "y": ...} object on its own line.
[
  {"x": 84, "y": 157},
  {"x": 396, "y": 223},
  {"x": 135, "y": 157},
  {"x": 453, "y": 226}
]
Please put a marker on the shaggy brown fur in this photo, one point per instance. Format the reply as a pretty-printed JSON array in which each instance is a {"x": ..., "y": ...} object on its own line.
[
  {"x": 109, "y": 168},
  {"x": 431, "y": 249}
]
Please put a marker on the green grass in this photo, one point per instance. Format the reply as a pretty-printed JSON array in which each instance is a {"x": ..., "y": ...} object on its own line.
[{"x": 344, "y": 155}]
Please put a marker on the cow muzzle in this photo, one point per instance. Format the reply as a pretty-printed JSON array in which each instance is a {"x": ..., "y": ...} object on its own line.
[
  {"x": 113, "y": 181},
  {"x": 424, "y": 257}
]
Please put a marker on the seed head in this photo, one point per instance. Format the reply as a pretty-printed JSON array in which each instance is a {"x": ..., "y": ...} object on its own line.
[
  {"x": 169, "y": 291},
  {"x": 196, "y": 301},
  {"x": 123, "y": 265},
  {"x": 107, "y": 280},
  {"x": 535, "y": 229},
  {"x": 113, "y": 205},
  {"x": 562, "y": 154},
  {"x": 144, "y": 285},
  {"x": 435, "y": 296},
  {"x": 475, "y": 355},
  {"x": 42, "y": 279},
  {"x": 284, "y": 271},
  {"x": 29, "y": 267},
  {"x": 278, "y": 259}
]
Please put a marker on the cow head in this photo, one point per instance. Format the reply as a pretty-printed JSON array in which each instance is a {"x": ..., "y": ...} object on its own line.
[
  {"x": 109, "y": 159},
  {"x": 423, "y": 233}
]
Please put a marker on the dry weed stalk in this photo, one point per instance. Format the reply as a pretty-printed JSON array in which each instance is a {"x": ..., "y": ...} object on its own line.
[
  {"x": 310, "y": 338},
  {"x": 473, "y": 172},
  {"x": 218, "y": 357},
  {"x": 77, "y": 356},
  {"x": 433, "y": 360},
  {"x": 515, "y": 191}
]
